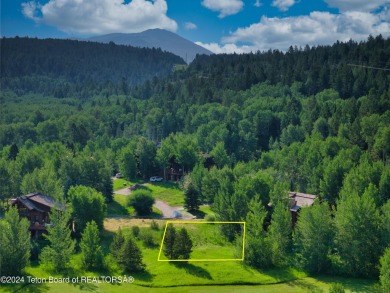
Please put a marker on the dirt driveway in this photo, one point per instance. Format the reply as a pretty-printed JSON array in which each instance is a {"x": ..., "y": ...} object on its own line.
[{"x": 167, "y": 210}]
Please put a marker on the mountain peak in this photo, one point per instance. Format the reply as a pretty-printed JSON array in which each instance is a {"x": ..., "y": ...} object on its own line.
[{"x": 157, "y": 38}]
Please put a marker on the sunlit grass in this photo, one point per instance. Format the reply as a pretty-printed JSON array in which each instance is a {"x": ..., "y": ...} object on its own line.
[{"x": 168, "y": 192}]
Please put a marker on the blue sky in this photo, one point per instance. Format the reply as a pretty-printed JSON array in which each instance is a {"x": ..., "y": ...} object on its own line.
[{"x": 219, "y": 25}]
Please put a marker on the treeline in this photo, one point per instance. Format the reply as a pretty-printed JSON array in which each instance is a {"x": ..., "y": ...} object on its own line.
[
  {"x": 340, "y": 67},
  {"x": 64, "y": 68}
]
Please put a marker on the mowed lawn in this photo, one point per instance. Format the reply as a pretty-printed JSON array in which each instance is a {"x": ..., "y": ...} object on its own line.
[{"x": 165, "y": 191}]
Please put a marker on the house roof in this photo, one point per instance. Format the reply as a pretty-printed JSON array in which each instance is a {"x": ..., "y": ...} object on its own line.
[
  {"x": 37, "y": 201},
  {"x": 299, "y": 200}
]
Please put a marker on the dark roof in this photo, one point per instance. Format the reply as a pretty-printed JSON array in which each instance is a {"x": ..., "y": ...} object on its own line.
[{"x": 37, "y": 201}]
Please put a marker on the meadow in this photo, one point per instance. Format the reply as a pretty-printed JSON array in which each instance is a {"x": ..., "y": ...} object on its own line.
[{"x": 224, "y": 276}]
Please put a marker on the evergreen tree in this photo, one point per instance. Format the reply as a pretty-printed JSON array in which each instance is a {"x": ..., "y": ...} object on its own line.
[
  {"x": 313, "y": 237},
  {"x": 130, "y": 257},
  {"x": 280, "y": 234},
  {"x": 183, "y": 244},
  {"x": 14, "y": 244},
  {"x": 117, "y": 243},
  {"x": 57, "y": 255},
  {"x": 191, "y": 195},
  {"x": 169, "y": 242},
  {"x": 91, "y": 251}
]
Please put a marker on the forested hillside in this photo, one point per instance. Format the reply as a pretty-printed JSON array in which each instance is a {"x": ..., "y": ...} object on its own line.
[
  {"x": 304, "y": 120},
  {"x": 67, "y": 67}
]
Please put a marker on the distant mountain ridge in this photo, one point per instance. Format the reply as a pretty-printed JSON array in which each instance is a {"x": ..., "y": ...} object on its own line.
[{"x": 157, "y": 38}]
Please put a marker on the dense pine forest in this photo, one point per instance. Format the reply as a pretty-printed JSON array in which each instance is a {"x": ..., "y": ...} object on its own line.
[{"x": 313, "y": 119}]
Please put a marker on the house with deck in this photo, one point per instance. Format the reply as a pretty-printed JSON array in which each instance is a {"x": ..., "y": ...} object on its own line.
[{"x": 35, "y": 207}]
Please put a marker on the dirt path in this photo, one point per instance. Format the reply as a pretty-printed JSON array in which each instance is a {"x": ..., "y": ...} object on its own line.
[{"x": 123, "y": 191}]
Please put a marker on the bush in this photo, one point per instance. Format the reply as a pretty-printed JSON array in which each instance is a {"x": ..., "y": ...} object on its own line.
[
  {"x": 210, "y": 218},
  {"x": 135, "y": 231},
  {"x": 142, "y": 201},
  {"x": 154, "y": 225},
  {"x": 147, "y": 238},
  {"x": 336, "y": 288}
]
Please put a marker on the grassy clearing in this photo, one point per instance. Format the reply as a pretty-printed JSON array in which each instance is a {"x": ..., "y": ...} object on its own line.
[
  {"x": 184, "y": 277},
  {"x": 117, "y": 207},
  {"x": 168, "y": 192},
  {"x": 208, "y": 242}
]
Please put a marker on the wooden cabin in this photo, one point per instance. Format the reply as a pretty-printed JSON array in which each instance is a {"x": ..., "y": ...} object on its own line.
[{"x": 36, "y": 208}]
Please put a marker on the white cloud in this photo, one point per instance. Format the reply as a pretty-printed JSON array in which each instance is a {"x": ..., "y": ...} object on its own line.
[
  {"x": 356, "y": 5},
  {"x": 224, "y": 7},
  {"x": 190, "y": 26},
  {"x": 227, "y": 48},
  {"x": 257, "y": 3},
  {"x": 283, "y": 5},
  {"x": 100, "y": 16},
  {"x": 318, "y": 28}
]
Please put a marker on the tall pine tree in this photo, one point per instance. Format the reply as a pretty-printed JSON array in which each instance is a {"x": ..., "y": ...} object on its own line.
[
  {"x": 91, "y": 251},
  {"x": 130, "y": 257},
  {"x": 169, "y": 242},
  {"x": 183, "y": 244}
]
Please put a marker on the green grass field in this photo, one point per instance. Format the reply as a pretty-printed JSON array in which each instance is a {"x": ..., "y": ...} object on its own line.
[
  {"x": 120, "y": 183},
  {"x": 231, "y": 276},
  {"x": 167, "y": 191}
]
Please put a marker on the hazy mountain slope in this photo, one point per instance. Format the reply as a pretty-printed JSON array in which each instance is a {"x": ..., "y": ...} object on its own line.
[
  {"x": 156, "y": 38},
  {"x": 44, "y": 65}
]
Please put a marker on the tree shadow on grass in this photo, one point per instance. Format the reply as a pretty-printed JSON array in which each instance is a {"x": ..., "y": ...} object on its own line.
[
  {"x": 352, "y": 284},
  {"x": 140, "y": 187},
  {"x": 280, "y": 275},
  {"x": 193, "y": 270},
  {"x": 116, "y": 209},
  {"x": 307, "y": 287},
  {"x": 144, "y": 276},
  {"x": 198, "y": 214}
]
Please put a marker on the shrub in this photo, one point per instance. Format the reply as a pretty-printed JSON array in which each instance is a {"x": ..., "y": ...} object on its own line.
[
  {"x": 135, "y": 231},
  {"x": 210, "y": 218},
  {"x": 147, "y": 238},
  {"x": 154, "y": 225},
  {"x": 142, "y": 201},
  {"x": 336, "y": 288}
]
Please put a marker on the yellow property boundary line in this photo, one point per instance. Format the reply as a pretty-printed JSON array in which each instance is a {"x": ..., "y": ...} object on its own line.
[{"x": 195, "y": 222}]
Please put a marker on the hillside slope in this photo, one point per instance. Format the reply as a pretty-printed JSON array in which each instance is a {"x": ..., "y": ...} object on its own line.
[{"x": 156, "y": 38}]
